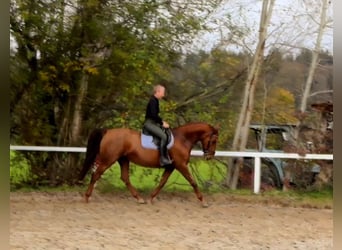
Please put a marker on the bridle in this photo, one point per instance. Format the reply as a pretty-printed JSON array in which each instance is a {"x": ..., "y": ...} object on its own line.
[{"x": 206, "y": 150}]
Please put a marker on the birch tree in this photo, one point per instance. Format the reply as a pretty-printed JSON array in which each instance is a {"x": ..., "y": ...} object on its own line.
[
  {"x": 323, "y": 24},
  {"x": 242, "y": 127},
  {"x": 315, "y": 57}
]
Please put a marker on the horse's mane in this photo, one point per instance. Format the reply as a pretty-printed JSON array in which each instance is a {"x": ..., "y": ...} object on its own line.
[{"x": 195, "y": 124}]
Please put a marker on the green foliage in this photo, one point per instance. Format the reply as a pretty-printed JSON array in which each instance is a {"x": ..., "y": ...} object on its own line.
[
  {"x": 277, "y": 108},
  {"x": 114, "y": 51},
  {"x": 208, "y": 88},
  {"x": 19, "y": 171}
]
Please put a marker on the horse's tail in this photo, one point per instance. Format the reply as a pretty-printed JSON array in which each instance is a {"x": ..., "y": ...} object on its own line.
[{"x": 93, "y": 147}]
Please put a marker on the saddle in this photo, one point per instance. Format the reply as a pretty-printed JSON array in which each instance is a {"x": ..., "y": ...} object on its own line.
[{"x": 153, "y": 142}]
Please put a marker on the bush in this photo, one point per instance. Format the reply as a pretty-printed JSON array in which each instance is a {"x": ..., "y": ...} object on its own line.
[{"x": 19, "y": 171}]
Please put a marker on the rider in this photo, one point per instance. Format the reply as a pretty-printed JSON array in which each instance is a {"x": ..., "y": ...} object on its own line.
[{"x": 154, "y": 124}]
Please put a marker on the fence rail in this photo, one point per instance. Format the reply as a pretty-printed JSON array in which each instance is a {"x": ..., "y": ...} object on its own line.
[{"x": 257, "y": 156}]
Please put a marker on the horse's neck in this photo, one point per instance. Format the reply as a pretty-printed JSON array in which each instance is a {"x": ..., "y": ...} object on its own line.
[{"x": 192, "y": 133}]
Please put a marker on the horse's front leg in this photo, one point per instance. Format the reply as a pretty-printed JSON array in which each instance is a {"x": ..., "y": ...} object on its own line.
[
  {"x": 167, "y": 172},
  {"x": 183, "y": 169},
  {"x": 124, "y": 166}
]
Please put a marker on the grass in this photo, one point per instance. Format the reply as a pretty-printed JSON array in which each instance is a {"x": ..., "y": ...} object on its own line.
[
  {"x": 208, "y": 175},
  {"x": 293, "y": 198}
]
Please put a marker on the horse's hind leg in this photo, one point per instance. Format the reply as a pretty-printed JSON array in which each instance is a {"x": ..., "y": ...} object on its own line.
[
  {"x": 187, "y": 175},
  {"x": 167, "y": 172},
  {"x": 98, "y": 171},
  {"x": 124, "y": 165}
]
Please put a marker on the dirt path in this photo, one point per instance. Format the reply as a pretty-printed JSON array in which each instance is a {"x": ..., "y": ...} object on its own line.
[{"x": 64, "y": 221}]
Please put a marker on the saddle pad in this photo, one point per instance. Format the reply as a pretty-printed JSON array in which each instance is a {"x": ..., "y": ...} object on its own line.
[{"x": 147, "y": 142}]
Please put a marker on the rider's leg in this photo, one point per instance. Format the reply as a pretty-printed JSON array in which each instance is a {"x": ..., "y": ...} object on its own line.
[
  {"x": 156, "y": 130},
  {"x": 164, "y": 156}
]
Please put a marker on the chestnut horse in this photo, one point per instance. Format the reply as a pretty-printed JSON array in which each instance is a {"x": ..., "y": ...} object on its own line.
[{"x": 106, "y": 146}]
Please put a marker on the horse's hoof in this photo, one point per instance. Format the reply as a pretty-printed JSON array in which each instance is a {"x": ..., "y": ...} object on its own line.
[
  {"x": 86, "y": 198},
  {"x": 141, "y": 201},
  {"x": 205, "y": 204}
]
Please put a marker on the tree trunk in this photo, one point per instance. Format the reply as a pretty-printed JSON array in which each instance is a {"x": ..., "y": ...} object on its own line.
[
  {"x": 315, "y": 55},
  {"x": 309, "y": 79},
  {"x": 242, "y": 128},
  {"x": 73, "y": 160},
  {"x": 77, "y": 116},
  {"x": 63, "y": 167},
  {"x": 313, "y": 66}
]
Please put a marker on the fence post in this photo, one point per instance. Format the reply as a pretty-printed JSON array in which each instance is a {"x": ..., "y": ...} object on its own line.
[{"x": 257, "y": 174}]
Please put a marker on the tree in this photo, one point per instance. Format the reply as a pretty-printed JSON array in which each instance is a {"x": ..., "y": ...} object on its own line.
[
  {"x": 242, "y": 127},
  {"x": 315, "y": 55},
  {"x": 277, "y": 107},
  {"x": 79, "y": 65}
]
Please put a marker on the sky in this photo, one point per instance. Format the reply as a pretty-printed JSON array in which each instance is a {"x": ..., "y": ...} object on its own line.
[
  {"x": 293, "y": 22},
  {"x": 290, "y": 24}
]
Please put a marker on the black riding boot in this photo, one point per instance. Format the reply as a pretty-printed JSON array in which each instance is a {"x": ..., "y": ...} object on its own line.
[{"x": 164, "y": 156}]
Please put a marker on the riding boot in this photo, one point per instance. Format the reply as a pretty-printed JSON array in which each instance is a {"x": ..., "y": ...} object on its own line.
[{"x": 164, "y": 156}]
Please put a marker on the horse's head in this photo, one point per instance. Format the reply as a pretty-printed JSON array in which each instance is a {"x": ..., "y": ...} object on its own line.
[
  {"x": 199, "y": 131},
  {"x": 209, "y": 141}
]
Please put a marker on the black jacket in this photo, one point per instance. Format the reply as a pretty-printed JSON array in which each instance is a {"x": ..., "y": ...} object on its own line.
[{"x": 152, "y": 110}]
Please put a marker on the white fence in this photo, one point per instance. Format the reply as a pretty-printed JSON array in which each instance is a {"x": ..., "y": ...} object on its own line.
[{"x": 257, "y": 156}]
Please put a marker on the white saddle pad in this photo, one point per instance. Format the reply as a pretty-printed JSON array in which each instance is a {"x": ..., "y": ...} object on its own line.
[{"x": 147, "y": 142}]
